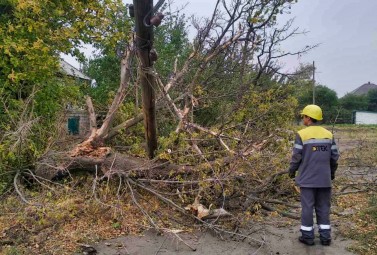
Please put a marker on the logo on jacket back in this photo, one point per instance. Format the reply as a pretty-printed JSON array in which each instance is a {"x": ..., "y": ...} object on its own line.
[{"x": 320, "y": 148}]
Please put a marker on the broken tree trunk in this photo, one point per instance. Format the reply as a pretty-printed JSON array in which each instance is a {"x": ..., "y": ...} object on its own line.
[
  {"x": 58, "y": 165},
  {"x": 97, "y": 136}
]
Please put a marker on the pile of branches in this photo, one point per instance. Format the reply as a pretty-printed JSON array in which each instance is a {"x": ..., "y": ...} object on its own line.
[{"x": 236, "y": 163}]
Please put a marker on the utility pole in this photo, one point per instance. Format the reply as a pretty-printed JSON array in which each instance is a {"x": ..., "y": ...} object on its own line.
[
  {"x": 313, "y": 82},
  {"x": 144, "y": 44}
]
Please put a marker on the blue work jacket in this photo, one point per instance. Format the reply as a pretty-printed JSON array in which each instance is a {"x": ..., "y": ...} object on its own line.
[{"x": 315, "y": 156}]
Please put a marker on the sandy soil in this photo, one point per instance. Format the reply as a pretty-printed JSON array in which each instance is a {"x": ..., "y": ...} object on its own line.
[{"x": 273, "y": 240}]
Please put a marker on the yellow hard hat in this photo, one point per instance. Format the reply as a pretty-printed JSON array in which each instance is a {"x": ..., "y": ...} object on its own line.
[{"x": 313, "y": 111}]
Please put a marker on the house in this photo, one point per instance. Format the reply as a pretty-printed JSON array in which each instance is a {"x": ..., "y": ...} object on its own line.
[
  {"x": 76, "y": 118},
  {"x": 364, "y": 117},
  {"x": 364, "y": 89},
  {"x": 356, "y": 112},
  {"x": 72, "y": 71}
]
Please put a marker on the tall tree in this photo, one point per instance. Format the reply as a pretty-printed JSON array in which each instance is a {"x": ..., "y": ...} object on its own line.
[
  {"x": 325, "y": 97},
  {"x": 349, "y": 103},
  {"x": 33, "y": 34},
  {"x": 372, "y": 100},
  {"x": 36, "y": 32}
]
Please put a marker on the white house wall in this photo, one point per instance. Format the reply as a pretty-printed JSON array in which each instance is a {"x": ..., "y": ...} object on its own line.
[{"x": 365, "y": 118}]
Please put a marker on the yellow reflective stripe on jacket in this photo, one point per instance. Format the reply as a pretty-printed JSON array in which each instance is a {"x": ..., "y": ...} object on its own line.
[{"x": 314, "y": 132}]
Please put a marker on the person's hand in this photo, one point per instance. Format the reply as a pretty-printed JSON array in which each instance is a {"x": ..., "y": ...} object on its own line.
[{"x": 292, "y": 174}]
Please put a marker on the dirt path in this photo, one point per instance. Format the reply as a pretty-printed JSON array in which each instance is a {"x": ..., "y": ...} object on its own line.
[{"x": 277, "y": 241}]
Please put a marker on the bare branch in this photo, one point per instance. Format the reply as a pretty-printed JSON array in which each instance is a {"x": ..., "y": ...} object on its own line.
[
  {"x": 15, "y": 184},
  {"x": 141, "y": 208},
  {"x": 125, "y": 76}
]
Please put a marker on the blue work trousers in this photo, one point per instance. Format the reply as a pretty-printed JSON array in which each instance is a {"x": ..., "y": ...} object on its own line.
[{"x": 318, "y": 199}]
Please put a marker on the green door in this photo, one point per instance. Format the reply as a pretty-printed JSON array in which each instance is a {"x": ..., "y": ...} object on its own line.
[{"x": 74, "y": 125}]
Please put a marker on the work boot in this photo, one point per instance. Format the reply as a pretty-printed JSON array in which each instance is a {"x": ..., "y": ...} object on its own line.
[
  {"x": 326, "y": 242},
  {"x": 325, "y": 236},
  {"x": 306, "y": 240},
  {"x": 307, "y": 237}
]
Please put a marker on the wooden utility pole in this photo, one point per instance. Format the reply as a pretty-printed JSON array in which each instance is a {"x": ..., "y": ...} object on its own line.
[
  {"x": 144, "y": 43},
  {"x": 313, "y": 82}
]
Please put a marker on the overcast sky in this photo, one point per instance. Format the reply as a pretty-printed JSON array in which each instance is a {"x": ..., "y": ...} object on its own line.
[{"x": 346, "y": 30}]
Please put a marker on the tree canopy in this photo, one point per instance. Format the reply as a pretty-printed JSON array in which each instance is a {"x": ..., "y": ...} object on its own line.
[
  {"x": 35, "y": 33},
  {"x": 32, "y": 90},
  {"x": 372, "y": 100}
]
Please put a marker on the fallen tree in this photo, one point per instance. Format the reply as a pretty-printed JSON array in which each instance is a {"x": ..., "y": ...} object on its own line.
[
  {"x": 211, "y": 45},
  {"x": 242, "y": 152},
  {"x": 239, "y": 40},
  {"x": 229, "y": 109}
]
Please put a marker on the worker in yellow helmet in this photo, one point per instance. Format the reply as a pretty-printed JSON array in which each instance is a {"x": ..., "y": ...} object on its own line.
[{"x": 315, "y": 157}]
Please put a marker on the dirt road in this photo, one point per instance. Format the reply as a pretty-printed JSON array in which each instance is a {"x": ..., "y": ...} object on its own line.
[{"x": 271, "y": 240}]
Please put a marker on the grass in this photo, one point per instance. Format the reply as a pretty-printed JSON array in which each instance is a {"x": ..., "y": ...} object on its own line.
[
  {"x": 358, "y": 146},
  {"x": 363, "y": 227}
]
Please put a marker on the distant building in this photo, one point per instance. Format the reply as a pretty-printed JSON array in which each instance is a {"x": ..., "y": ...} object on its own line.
[
  {"x": 77, "y": 119},
  {"x": 364, "y": 89},
  {"x": 68, "y": 69},
  {"x": 364, "y": 117}
]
